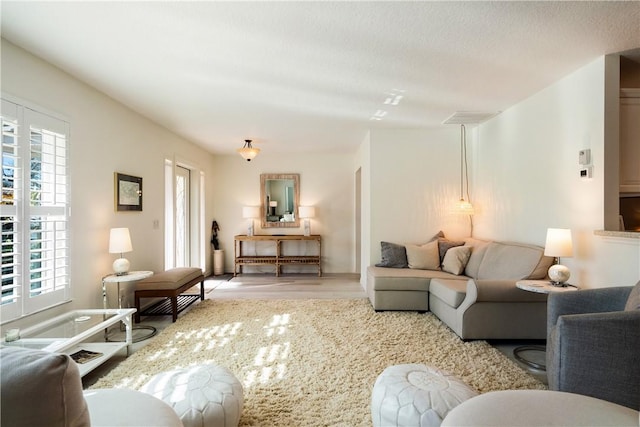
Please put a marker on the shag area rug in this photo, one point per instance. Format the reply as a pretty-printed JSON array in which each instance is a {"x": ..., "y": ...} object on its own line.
[{"x": 313, "y": 362}]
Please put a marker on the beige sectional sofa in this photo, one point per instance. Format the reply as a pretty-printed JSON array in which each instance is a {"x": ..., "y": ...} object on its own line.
[{"x": 482, "y": 302}]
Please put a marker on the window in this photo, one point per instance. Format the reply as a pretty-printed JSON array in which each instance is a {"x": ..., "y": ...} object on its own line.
[{"x": 34, "y": 212}]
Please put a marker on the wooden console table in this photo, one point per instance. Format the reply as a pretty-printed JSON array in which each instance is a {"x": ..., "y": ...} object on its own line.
[{"x": 278, "y": 260}]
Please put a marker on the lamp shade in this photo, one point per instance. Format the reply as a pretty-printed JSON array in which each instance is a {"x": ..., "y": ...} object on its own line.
[
  {"x": 251, "y": 212},
  {"x": 306, "y": 211},
  {"x": 463, "y": 207},
  {"x": 248, "y": 151},
  {"x": 119, "y": 241},
  {"x": 273, "y": 204},
  {"x": 559, "y": 243}
]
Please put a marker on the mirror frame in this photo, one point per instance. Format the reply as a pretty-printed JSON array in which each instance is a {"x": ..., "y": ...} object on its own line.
[{"x": 264, "y": 177}]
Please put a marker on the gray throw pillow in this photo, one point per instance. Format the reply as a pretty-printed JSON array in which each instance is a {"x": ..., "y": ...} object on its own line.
[
  {"x": 393, "y": 255},
  {"x": 633, "y": 303},
  {"x": 445, "y": 244}
]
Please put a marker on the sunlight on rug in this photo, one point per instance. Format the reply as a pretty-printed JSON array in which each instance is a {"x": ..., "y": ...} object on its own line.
[{"x": 313, "y": 362}]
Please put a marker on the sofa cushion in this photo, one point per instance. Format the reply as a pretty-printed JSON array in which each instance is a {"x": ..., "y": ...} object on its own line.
[
  {"x": 445, "y": 244},
  {"x": 478, "y": 249},
  {"x": 451, "y": 291},
  {"x": 41, "y": 389},
  {"x": 399, "y": 279},
  {"x": 455, "y": 260},
  {"x": 633, "y": 302},
  {"x": 423, "y": 257},
  {"x": 392, "y": 255},
  {"x": 513, "y": 261}
]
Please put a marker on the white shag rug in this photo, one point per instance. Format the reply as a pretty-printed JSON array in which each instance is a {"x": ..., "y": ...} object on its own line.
[{"x": 313, "y": 362}]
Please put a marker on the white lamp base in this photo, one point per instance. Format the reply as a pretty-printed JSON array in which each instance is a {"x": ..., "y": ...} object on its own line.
[
  {"x": 559, "y": 274},
  {"x": 121, "y": 266}
]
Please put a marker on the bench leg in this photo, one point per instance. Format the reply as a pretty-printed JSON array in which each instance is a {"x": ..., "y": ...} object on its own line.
[
  {"x": 174, "y": 308},
  {"x": 202, "y": 290}
]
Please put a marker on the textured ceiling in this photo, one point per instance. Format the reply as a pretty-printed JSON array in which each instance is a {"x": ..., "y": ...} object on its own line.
[{"x": 314, "y": 76}]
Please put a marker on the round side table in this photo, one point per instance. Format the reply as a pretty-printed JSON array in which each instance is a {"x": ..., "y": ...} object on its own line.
[
  {"x": 541, "y": 287},
  {"x": 132, "y": 276}
]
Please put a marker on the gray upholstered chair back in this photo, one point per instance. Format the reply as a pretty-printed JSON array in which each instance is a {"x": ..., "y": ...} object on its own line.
[{"x": 593, "y": 343}]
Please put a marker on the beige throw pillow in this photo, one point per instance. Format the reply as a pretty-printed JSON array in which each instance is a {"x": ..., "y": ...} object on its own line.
[
  {"x": 424, "y": 257},
  {"x": 455, "y": 260}
]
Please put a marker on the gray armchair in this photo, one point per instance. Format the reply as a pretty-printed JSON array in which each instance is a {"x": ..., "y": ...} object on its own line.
[{"x": 593, "y": 343}]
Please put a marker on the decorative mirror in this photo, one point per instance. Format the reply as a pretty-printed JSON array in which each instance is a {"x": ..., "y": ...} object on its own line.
[{"x": 279, "y": 195}]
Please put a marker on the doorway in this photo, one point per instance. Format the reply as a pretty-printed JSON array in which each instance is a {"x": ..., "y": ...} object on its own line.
[
  {"x": 358, "y": 219},
  {"x": 183, "y": 215}
]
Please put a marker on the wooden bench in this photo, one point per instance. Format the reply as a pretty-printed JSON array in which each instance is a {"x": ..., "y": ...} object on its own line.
[{"x": 169, "y": 284}]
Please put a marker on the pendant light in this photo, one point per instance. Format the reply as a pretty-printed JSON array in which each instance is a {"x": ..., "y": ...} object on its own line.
[
  {"x": 247, "y": 151},
  {"x": 464, "y": 206}
]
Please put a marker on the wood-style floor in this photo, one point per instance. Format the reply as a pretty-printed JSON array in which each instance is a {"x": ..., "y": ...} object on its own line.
[{"x": 289, "y": 286}]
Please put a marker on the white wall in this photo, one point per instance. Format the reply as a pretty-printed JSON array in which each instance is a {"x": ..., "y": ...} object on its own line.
[
  {"x": 527, "y": 177},
  {"x": 411, "y": 185},
  {"x": 105, "y": 137},
  {"x": 524, "y": 179},
  {"x": 326, "y": 181}
]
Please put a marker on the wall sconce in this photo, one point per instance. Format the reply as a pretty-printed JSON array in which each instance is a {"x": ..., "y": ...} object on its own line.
[
  {"x": 250, "y": 212},
  {"x": 306, "y": 212},
  {"x": 120, "y": 242},
  {"x": 247, "y": 151},
  {"x": 558, "y": 244}
]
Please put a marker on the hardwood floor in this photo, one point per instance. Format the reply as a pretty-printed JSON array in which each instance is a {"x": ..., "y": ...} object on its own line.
[{"x": 289, "y": 286}]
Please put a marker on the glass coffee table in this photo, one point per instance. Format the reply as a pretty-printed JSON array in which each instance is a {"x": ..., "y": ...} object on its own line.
[{"x": 77, "y": 333}]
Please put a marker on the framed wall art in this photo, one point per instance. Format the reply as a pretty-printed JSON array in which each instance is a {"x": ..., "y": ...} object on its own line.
[{"x": 128, "y": 192}]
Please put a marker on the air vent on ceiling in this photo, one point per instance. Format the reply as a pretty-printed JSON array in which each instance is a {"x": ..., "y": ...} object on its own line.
[{"x": 468, "y": 118}]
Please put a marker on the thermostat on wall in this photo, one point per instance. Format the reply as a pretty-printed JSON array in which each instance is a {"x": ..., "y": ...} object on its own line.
[
  {"x": 584, "y": 157},
  {"x": 586, "y": 172}
]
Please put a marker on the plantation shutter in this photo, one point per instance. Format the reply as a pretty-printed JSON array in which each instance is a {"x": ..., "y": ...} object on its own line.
[{"x": 35, "y": 224}]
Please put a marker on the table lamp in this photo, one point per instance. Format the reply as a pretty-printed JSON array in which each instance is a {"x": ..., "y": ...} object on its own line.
[
  {"x": 120, "y": 242},
  {"x": 273, "y": 204},
  {"x": 558, "y": 244},
  {"x": 306, "y": 212},
  {"x": 250, "y": 212}
]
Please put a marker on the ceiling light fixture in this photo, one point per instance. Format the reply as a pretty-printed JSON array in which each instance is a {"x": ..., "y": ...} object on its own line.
[{"x": 247, "y": 151}]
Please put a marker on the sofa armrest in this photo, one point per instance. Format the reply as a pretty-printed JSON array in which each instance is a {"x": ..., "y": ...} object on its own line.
[
  {"x": 596, "y": 355},
  {"x": 598, "y": 300}
]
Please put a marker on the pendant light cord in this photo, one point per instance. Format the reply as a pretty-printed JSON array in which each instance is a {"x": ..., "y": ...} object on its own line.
[{"x": 464, "y": 166}]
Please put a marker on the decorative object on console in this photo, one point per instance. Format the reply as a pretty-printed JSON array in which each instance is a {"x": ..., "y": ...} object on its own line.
[
  {"x": 559, "y": 244},
  {"x": 306, "y": 212},
  {"x": 273, "y": 204},
  {"x": 248, "y": 152},
  {"x": 250, "y": 212},
  {"x": 120, "y": 242}
]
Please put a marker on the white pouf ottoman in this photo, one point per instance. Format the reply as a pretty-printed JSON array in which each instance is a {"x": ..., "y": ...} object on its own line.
[
  {"x": 416, "y": 395},
  {"x": 204, "y": 395}
]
